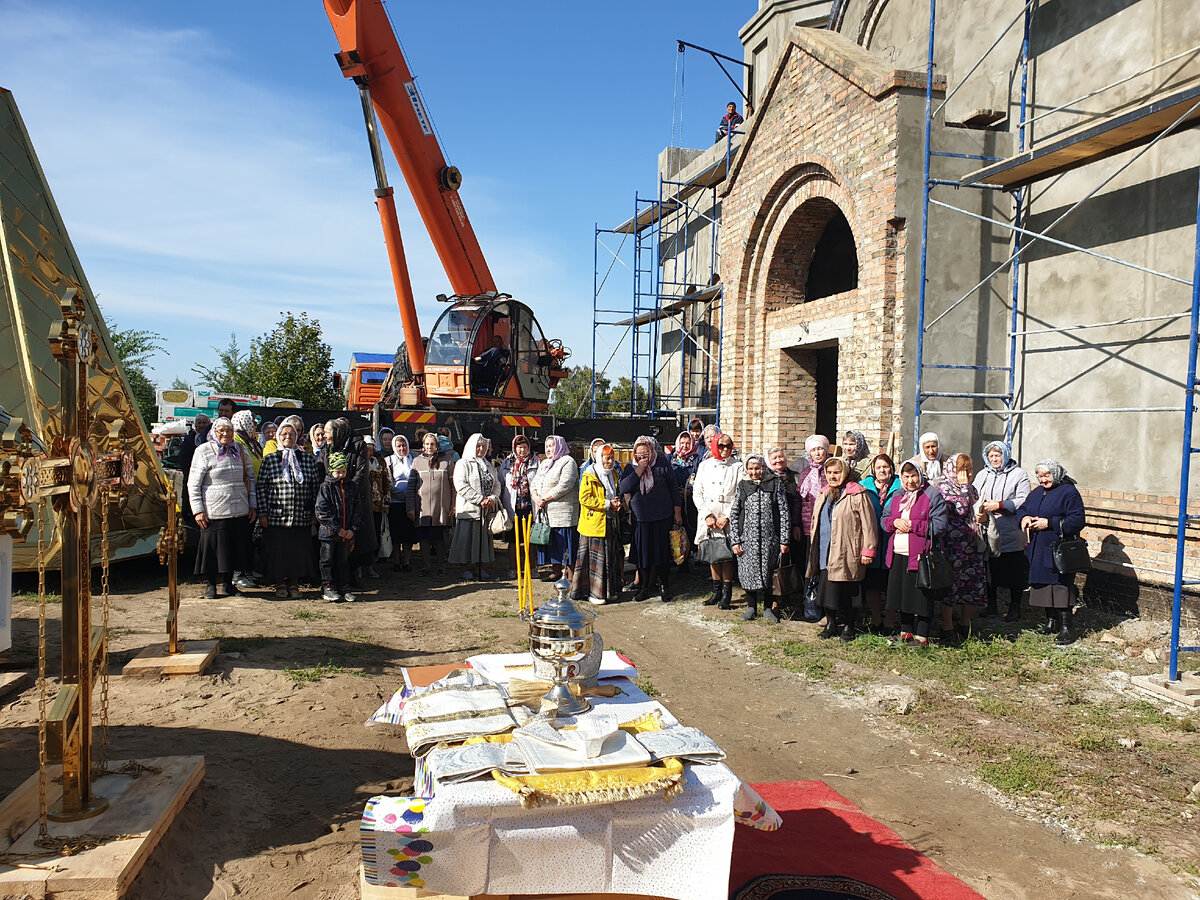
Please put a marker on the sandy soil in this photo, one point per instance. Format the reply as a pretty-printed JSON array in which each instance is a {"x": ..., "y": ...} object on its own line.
[{"x": 289, "y": 763}]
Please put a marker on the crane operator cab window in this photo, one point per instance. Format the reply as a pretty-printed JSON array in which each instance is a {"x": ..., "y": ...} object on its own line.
[{"x": 450, "y": 344}]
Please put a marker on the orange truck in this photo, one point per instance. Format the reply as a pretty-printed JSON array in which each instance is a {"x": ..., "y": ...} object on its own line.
[{"x": 368, "y": 371}]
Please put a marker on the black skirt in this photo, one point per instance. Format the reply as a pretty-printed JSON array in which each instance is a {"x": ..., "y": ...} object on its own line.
[
  {"x": 903, "y": 595},
  {"x": 651, "y": 544},
  {"x": 839, "y": 595},
  {"x": 224, "y": 547},
  {"x": 404, "y": 531},
  {"x": 287, "y": 553}
]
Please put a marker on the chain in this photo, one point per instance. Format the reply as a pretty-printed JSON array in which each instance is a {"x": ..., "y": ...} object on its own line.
[
  {"x": 102, "y": 764},
  {"x": 41, "y": 565}
]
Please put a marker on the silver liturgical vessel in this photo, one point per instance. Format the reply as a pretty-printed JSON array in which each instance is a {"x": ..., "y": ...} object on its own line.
[{"x": 561, "y": 633}]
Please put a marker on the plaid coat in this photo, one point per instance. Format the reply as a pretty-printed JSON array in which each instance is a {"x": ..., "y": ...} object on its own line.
[{"x": 285, "y": 503}]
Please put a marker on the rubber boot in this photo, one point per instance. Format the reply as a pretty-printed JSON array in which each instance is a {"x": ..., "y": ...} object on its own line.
[
  {"x": 1051, "y": 625},
  {"x": 848, "y": 632},
  {"x": 751, "y": 605},
  {"x": 1014, "y": 608},
  {"x": 726, "y": 601},
  {"x": 715, "y": 598},
  {"x": 1065, "y": 635}
]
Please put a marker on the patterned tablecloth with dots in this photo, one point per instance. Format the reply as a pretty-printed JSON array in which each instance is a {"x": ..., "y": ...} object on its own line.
[{"x": 476, "y": 838}]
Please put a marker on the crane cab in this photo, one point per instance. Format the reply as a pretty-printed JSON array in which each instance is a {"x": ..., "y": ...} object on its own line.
[{"x": 489, "y": 352}]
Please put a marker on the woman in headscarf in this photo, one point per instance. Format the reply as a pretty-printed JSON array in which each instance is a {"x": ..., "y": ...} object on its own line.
[
  {"x": 316, "y": 444},
  {"x": 287, "y": 486},
  {"x": 857, "y": 452},
  {"x": 811, "y": 478},
  {"x": 655, "y": 503},
  {"x": 915, "y": 516},
  {"x": 516, "y": 473},
  {"x": 383, "y": 443},
  {"x": 445, "y": 445},
  {"x": 717, "y": 478},
  {"x": 600, "y": 562},
  {"x": 554, "y": 489},
  {"x": 272, "y": 445},
  {"x": 222, "y": 493},
  {"x": 1003, "y": 486},
  {"x": 477, "y": 495},
  {"x": 964, "y": 547},
  {"x": 430, "y": 500},
  {"x": 340, "y": 438},
  {"x": 684, "y": 462},
  {"x": 759, "y": 528},
  {"x": 1052, "y": 510},
  {"x": 377, "y": 503},
  {"x": 404, "y": 533},
  {"x": 246, "y": 436},
  {"x": 597, "y": 443},
  {"x": 930, "y": 459},
  {"x": 778, "y": 462},
  {"x": 881, "y": 485},
  {"x": 268, "y": 435},
  {"x": 845, "y": 541}
]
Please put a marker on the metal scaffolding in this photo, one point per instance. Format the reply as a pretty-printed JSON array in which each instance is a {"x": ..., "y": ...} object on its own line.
[
  {"x": 654, "y": 287},
  {"x": 1142, "y": 127}
]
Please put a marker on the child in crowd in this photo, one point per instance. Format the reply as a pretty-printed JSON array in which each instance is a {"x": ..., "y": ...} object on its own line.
[{"x": 339, "y": 515}]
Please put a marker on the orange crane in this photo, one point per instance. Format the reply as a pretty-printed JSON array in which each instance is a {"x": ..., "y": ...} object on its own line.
[{"x": 457, "y": 370}]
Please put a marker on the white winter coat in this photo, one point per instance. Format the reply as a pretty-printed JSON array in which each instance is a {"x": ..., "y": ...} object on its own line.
[
  {"x": 468, "y": 494},
  {"x": 713, "y": 490}
]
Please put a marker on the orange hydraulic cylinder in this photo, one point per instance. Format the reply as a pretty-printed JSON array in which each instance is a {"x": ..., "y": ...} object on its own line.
[
  {"x": 370, "y": 51},
  {"x": 386, "y": 203}
]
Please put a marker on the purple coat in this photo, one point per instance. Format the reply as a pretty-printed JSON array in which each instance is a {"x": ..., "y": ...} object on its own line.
[{"x": 928, "y": 517}]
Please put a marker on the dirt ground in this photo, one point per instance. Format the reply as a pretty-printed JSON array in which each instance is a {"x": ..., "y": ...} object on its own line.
[{"x": 279, "y": 720}]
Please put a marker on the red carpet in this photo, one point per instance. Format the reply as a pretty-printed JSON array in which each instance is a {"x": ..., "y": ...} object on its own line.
[{"x": 829, "y": 849}]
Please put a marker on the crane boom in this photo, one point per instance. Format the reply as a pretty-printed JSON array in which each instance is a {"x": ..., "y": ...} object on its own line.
[{"x": 371, "y": 55}]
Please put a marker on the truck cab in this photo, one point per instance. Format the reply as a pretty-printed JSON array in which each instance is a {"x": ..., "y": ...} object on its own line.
[{"x": 367, "y": 374}]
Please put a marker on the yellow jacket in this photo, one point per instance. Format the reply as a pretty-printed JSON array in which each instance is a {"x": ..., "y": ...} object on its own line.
[{"x": 593, "y": 506}]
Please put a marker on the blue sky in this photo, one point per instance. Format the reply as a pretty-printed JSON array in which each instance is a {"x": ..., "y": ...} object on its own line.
[{"x": 211, "y": 166}]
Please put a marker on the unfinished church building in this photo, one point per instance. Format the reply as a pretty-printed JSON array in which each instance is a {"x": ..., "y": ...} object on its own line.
[{"x": 821, "y": 246}]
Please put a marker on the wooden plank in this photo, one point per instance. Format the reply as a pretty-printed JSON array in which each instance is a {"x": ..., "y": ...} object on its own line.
[
  {"x": 11, "y": 682},
  {"x": 1092, "y": 142},
  {"x": 1180, "y": 692},
  {"x": 143, "y": 806},
  {"x": 155, "y": 661}
]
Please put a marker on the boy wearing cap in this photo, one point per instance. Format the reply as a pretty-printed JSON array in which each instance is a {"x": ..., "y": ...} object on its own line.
[{"x": 339, "y": 515}]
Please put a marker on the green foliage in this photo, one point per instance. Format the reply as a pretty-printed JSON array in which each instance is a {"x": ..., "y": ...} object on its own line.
[
  {"x": 178, "y": 384},
  {"x": 1022, "y": 771},
  {"x": 229, "y": 374},
  {"x": 134, "y": 347},
  {"x": 291, "y": 360},
  {"x": 572, "y": 397}
]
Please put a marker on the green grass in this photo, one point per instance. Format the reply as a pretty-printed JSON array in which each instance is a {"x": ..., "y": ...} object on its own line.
[
  {"x": 1023, "y": 771},
  {"x": 310, "y": 614},
  {"x": 234, "y": 644},
  {"x": 32, "y": 597},
  {"x": 648, "y": 687},
  {"x": 303, "y": 675},
  {"x": 501, "y": 611},
  {"x": 992, "y": 706}
]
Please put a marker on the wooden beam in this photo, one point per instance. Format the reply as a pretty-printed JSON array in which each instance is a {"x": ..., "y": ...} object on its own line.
[{"x": 1088, "y": 143}]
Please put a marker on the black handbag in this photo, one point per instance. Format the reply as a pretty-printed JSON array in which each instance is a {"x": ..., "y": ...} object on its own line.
[
  {"x": 713, "y": 550},
  {"x": 935, "y": 573},
  {"x": 1070, "y": 555}
]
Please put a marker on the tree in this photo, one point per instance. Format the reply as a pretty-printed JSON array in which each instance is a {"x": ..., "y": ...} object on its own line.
[
  {"x": 178, "y": 384},
  {"x": 229, "y": 374},
  {"x": 134, "y": 349},
  {"x": 572, "y": 397},
  {"x": 293, "y": 361},
  {"x": 621, "y": 394}
]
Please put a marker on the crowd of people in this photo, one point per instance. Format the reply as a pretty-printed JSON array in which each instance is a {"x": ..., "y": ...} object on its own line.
[{"x": 846, "y": 539}]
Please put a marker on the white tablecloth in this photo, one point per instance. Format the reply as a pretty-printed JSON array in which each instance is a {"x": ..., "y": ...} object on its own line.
[{"x": 475, "y": 837}]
